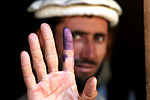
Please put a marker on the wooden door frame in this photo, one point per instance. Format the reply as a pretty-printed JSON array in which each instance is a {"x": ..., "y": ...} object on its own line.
[{"x": 147, "y": 45}]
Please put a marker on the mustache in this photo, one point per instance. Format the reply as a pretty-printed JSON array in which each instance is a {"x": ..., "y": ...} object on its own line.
[{"x": 83, "y": 61}]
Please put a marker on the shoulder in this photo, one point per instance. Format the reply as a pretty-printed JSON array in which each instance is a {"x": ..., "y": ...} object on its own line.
[
  {"x": 99, "y": 97},
  {"x": 23, "y": 97}
]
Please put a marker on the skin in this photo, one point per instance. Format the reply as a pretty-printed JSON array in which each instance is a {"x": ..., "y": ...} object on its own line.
[
  {"x": 54, "y": 85},
  {"x": 90, "y": 43}
]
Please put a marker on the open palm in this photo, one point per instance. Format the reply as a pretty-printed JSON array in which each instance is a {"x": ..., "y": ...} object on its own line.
[{"x": 57, "y": 85}]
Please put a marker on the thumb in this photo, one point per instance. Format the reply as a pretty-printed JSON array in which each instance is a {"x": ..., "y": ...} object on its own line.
[{"x": 90, "y": 92}]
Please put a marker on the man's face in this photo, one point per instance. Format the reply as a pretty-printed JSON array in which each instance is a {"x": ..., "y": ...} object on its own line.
[{"x": 90, "y": 43}]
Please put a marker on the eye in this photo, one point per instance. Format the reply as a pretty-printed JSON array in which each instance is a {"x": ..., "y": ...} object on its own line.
[
  {"x": 99, "y": 38},
  {"x": 77, "y": 35}
]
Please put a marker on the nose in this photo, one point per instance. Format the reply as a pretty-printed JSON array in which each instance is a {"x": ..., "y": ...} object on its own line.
[{"x": 88, "y": 50}]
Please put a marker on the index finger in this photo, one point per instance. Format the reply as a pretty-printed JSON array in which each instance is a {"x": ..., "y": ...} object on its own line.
[{"x": 68, "y": 55}]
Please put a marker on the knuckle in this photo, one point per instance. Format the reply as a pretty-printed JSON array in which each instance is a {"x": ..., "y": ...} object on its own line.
[
  {"x": 39, "y": 64},
  {"x": 51, "y": 55}
]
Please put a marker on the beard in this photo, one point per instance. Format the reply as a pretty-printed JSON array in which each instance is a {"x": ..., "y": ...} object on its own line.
[{"x": 80, "y": 81}]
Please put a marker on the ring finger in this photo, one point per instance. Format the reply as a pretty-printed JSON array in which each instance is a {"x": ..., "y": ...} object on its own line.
[{"x": 38, "y": 62}]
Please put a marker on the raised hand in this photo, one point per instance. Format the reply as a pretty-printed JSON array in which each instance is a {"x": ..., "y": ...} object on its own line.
[{"x": 54, "y": 85}]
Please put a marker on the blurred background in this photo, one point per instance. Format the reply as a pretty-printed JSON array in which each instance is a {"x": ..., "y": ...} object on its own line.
[{"x": 127, "y": 62}]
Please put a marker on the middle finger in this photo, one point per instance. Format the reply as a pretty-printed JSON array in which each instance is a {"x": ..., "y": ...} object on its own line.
[{"x": 49, "y": 48}]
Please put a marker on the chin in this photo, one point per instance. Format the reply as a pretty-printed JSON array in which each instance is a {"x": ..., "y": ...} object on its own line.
[
  {"x": 84, "y": 73},
  {"x": 83, "y": 76}
]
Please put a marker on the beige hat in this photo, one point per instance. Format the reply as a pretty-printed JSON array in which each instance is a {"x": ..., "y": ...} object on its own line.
[{"x": 108, "y": 9}]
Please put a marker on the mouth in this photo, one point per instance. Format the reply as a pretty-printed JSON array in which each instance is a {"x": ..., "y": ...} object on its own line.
[{"x": 84, "y": 67}]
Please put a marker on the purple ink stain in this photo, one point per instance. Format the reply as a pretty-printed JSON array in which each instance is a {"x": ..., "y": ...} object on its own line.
[
  {"x": 64, "y": 56},
  {"x": 67, "y": 39}
]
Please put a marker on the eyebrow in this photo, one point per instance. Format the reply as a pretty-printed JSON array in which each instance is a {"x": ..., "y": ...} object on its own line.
[
  {"x": 102, "y": 34},
  {"x": 79, "y": 32},
  {"x": 82, "y": 32}
]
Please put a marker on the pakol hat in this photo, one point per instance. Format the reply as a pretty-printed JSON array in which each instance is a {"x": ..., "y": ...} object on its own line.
[{"x": 108, "y": 9}]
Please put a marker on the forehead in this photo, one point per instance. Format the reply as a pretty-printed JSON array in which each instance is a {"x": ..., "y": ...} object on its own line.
[{"x": 87, "y": 24}]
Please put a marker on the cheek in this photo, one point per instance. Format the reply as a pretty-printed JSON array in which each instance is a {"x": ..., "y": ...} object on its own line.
[
  {"x": 78, "y": 46},
  {"x": 101, "y": 51}
]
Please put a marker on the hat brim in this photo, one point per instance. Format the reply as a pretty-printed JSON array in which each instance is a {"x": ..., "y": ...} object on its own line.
[{"x": 79, "y": 10}]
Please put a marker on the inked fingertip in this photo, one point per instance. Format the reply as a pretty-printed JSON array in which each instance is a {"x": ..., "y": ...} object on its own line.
[
  {"x": 67, "y": 39},
  {"x": 66, "y": 29}
]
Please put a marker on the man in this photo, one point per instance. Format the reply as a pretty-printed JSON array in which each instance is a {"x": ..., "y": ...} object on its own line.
[{"x": 81, "y": 31}]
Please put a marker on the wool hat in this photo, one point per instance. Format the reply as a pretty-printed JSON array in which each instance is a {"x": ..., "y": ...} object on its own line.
[{"x": 108, "y": 9}]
